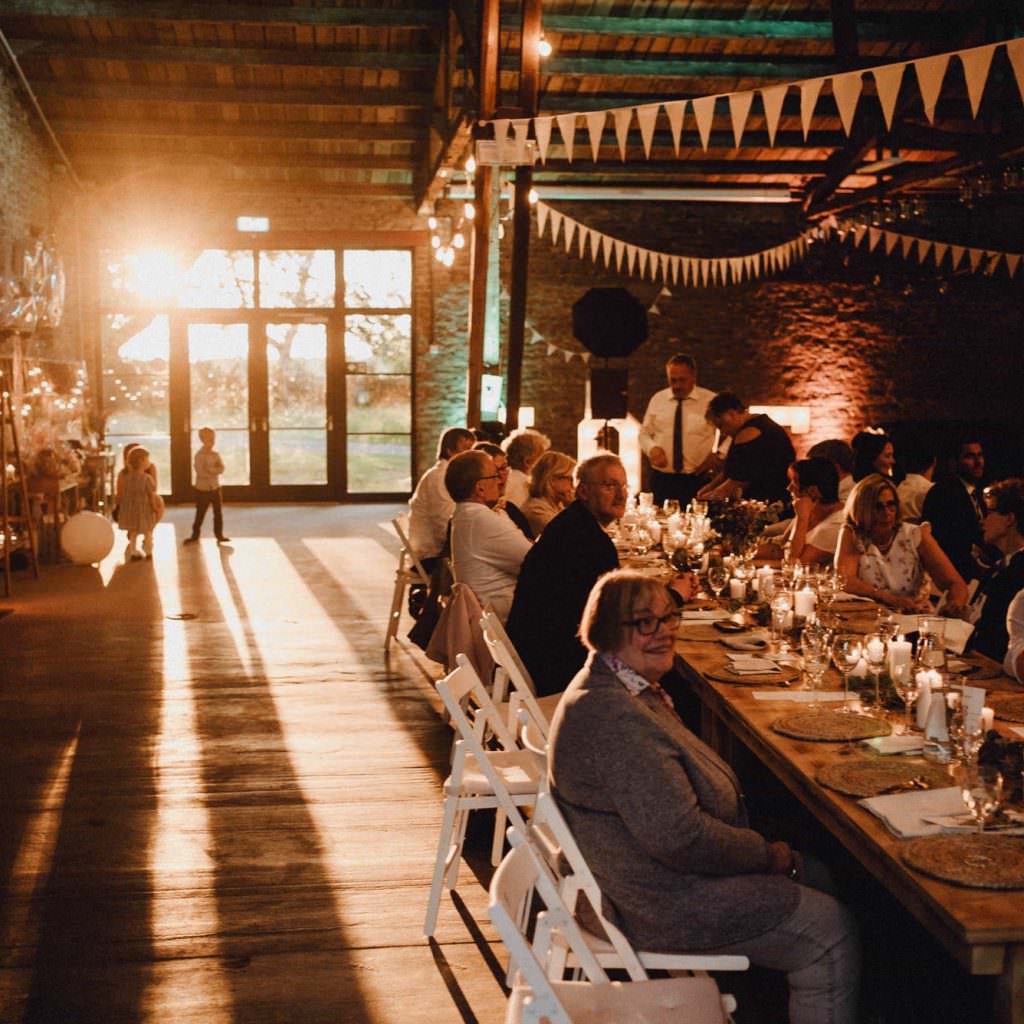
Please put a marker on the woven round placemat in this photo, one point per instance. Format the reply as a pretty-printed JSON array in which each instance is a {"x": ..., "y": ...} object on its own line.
[
  {"x": 1007, "y": 706},
  {"x": 831, "y": 726},
  {"x": 786, "y": 674},
  {"x": 970, "y": 860},
  {"x": 870, "y": 778}
]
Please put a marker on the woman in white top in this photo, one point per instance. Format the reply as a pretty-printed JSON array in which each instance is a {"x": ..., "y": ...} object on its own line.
[
  {"x": 886, "y": 559},
  {"x": 818, "y": 513},
  {"x": 551, "y": 489}
]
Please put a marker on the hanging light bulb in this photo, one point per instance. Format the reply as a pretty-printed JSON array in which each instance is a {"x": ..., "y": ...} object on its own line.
[
  {"x": 432, "y": 223},
  {"x": 449, "y": 257},
  {"x": 543, "y": 47},
  {"x": 469, "y": 210},
  {"x": 435, "y": 241},
  {"x": 458, "y": 240},
  {"x": 471, "y": 166},
  {"x": 439, "y": 255},
  {"x": 532, "y": 196}
]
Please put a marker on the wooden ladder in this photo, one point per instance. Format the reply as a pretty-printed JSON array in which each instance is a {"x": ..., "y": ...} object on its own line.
[{"x": 24, "y": 518}]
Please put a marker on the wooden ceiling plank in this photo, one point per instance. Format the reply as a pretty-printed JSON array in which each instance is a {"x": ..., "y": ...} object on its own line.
[
  {"x": 410, "y": 16},
  {"x": 219, "y": 129}
]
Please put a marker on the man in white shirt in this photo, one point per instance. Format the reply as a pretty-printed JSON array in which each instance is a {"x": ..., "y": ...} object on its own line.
[
  {"x": 431, "y": 505},
  {"x": 487, "y": 548},
  {"x": 675, "y": 435},
  {"x": 920, "y": 466}
]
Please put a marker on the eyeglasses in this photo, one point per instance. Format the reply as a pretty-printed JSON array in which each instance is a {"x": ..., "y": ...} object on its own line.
[
  {"x": 612, "y": 485},
  {"x": 648, "y": 625}
]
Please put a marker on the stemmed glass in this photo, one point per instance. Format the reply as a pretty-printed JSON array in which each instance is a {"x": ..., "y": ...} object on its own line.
[
  {"x": 904, "y": 681},
  {"x": 847, "y": 651},
  {"x": 642, "y": 539},
  {"x": 967, "y": 733},
  {"x": 876, "y": 650},
  {"x": 981, "y": 787},
  {"x": 815, "y": 641},
  {"x": 718, "y": 577},
  {"x": 781, "y": 605}
]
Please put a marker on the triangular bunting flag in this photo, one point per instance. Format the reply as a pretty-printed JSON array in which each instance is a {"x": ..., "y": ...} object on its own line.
[
  {"x": 535, "y": 335},
  {"x": 630, "y": 258},
  {"x": 664, "y": 291},
  {"x": 684, "y": 269},
  {"x": 975, "y": 258},
  {"x": 551, "y": 349},
  {"x": 887, "y": 85},
  {"x": 739, "y": 108},
  {"x": 581, "y": 238},
  {"x": 705, "y": 269},
  {"x": 704, "y": 112},
  {"x": 567, "y": 126},
  {"x": 736, "y": 265},
  {"x": 772, "y": 99},
  {"x": 858, "y": 234},
  {"x": 976, "y": 62},
  {"x": 930, "y": 73},
  {"x": 542, "y": 218},
  {"x": 622, "y": 118},
  {"x": 501, "y": 133},
  {"x": 1012, "y": 262},
  {"x": 874, "y": 237},
  {"x": 956, "y": 254},
  {"x": 940, "y": 252},
  {"x": 677, "y": 109},
  {"x": 585, "y": 356},
  {"x": 521, "y": 128},
  {"x": 653, "y": 309},
  {"x": 808, "y": 98},
  {"x": 846, "y": 90},
  {"x": 570, "y": 229},
  {"x": 906, "y": 244},
  {"x": 891, "y": 238},
  {"x": 674, "y": 264},
  {"x": 595, "y": 126},
  {"x": 1015, "y": 53},
  {"x": 542, "y": 129},
  {"x": 924, "y": 246},
  {"x": 620, "y": 248},
  {"x": 646, "y": 116},
  {"x": 642, "y": 255},
  {"x": 567, "y": 355},
  {"x": 595, "y": 245},
  {"x": 606, "y": 247},
  {"x": 556, "y": 223},
  {"x": 992, "y": 262}
]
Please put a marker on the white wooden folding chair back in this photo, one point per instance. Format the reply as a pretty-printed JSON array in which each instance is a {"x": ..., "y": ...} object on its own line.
[
  {"x": 512, "y": 683},
  {"x": 409, "y": 571},
  {"x": 552, "y": 836},
  {"x": 535, "y": 997},
  {"x": 504, "y": 779}
]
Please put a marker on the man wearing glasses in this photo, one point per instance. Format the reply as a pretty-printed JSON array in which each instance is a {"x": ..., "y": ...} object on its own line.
[
  {"x": 487, "y": 548},
  {"x": 561, "y": 569}
]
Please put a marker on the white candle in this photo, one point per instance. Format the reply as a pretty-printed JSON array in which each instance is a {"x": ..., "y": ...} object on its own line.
[
  {"x": 804, "y": 601},
  {"x": 988, "y": 718},
  {"x": 935, "y": 726},
  {"x": 924, "y": 698},
  {"x": 899, "y": 652},
  {"x": 737, "y": 589},
  {"x": 860, "y": 670},
  {"x": 875, "y": 650}
]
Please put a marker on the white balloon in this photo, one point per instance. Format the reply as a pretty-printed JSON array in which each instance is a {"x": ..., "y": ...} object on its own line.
[{"x": 87, "y": 538}]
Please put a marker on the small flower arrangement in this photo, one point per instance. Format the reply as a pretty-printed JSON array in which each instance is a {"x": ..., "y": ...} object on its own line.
[{"x": 739, "y": 522}]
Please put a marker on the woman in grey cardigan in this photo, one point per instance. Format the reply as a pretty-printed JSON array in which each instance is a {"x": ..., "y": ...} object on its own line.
[{"x": 660, "y": 817}]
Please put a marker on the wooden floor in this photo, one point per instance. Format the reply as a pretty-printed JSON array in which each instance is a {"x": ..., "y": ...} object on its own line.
[{"x": 218, "y": 801}]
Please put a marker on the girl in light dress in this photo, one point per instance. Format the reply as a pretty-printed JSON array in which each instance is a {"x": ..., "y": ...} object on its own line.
[{"x": 139, "y": 506}]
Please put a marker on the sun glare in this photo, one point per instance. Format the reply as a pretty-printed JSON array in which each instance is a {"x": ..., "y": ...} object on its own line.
[{"x": 153, "y": 275}]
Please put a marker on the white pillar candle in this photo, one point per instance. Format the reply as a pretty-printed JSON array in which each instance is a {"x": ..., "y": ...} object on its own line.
[
  {"x": 900, "y": 652},
  {"x": 804, "y": 602},
  {"x": 924, "y": 698},
  {"x": 860, "y": 670},
  {"x": 935, "y": 727},
  {"x": 988, "y": 718},
  {"x": 737, "y": 589}
]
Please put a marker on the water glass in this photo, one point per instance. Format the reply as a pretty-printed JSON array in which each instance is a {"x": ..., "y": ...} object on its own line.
[
  {"x": 847, "y": 652},
  {"x": 981, "y": 788},
  {"x": 781, "y": 607},
  {"x": 876, "y": 650},
  {"x": 904, "y": 681}
]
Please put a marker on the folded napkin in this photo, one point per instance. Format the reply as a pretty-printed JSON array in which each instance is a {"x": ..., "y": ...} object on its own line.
[
  {"x": 958, "y": 633},
  {"x": 1010, "y": 823},
  {"x": 844, "y": 596},
  {"x": 895, "y": 744},
  {"x": 748, "y": 642},
  {"x": 1017, "y": 730},
  {"x": 800, "y": 696},
  {"x": 704, "y": 614},
  {"x": 904, "y": 814},
  {"x": 744, "y": 663}
]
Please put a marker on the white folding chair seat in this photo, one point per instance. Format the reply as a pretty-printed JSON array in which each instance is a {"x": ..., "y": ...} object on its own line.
[
  {"x": 551, "y": 835},
  {"x": 410, "y": 571},
  {"x": 536, "y": 997},
  {"x": 503, "y": 779}
]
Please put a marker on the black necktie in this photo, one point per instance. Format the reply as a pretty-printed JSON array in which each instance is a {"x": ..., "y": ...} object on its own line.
[
  {"x": 677, "y": 438},
  {"x": 979, "y": 503}
]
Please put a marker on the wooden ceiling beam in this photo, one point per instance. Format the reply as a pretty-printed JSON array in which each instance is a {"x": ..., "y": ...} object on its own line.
[
  {"x": 28, "y": 50},
  {"x": 427, "y": 16},
  {"x": 256, "y": 130},
  {"x": 341, "y": 96},
  {"x": 668, "y": 164},
  {"x": 100, "y": 155},
  {"x": 781, "y": 67},
  {"x": 278, "y": 187}
]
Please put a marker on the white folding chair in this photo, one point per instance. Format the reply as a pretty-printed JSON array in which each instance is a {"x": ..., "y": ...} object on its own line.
[
  {"x": 535, "y": 997},
  {"x": 409, "y": 572},
  {"x": 550, "y": 832},
  {"x": 503, "y": 779},
  {"x": 527, "y": 714}
]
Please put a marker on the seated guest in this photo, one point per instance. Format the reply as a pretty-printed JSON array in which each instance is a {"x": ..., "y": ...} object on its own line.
[
  {"x": 1003, "y": 528},
  {"x": 872, "y": 453},
  {"x": 885, "y": 559},
  {"x": 920, "y": 465},
  {"x": 487, "y": 549},
  {"x": 504, "y": 506},
  {"x": 551, "y": 489},
  {"x": 431, "y": 506},
  {"x": 660, "y": 818},
  {"x": 523, "y": 448},
  {"x": 954, "y": 507},
  {"x": 1013, "y": 663},
  {"x": 840, "y": 454},
  {"x": 818, "y": 514},
  {"x": 758, "y": 457}
]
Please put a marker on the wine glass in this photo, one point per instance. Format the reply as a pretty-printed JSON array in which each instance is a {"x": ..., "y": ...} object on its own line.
[
  {"x": 718, "y": 577},
  {"x": 815, "y": 648},
  {"x": 904, "y": 681},
  {"x": 966, "y": 732},
  {"x": 981, "y": 787},
  {"x": 781, "y": 606},
  {"x": 847, "y": 651},
  {"x": 766, "y": 586},
  {"x": 876, "y": 650},
  {"x": 642, "y": 539}
]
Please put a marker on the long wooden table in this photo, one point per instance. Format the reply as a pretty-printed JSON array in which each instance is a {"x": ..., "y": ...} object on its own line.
[{"x": 982, "y": 929}]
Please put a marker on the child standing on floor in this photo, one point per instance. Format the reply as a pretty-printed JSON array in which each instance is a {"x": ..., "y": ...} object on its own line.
[
  {"x": 209, "y": 467},
  {"x": 138, "y": 504}
]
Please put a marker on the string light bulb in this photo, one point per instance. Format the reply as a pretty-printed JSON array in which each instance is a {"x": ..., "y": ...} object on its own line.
[
  {"x": 469, "y": 211},
  {"x": 543, "y": 47},
  {"x": 432, "y": 223},
  {"x": 532, "y": 196},
  {"x": 471, "y": 165},
  {"x": 459, "y": 240}
]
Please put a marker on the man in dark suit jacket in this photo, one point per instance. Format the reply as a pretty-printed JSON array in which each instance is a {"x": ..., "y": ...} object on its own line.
[
  {"x": 1003, "y": 529},
  {"x": 954, "y": 509},
  {"x": 559, "y": 571}
]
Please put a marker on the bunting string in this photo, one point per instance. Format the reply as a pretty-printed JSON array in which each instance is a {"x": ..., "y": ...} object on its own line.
[{"x": 846, "y": 89}]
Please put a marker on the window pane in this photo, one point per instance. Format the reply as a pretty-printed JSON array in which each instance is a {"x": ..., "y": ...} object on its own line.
[
  {"x": 378, "y": 344},
  {"x": 378, "y": 278},
  {"x": 298, "y": 456},
  {"x": 293, "y": 279},
  {"x": 136, "y": 385},
  {"x": 378, "y": 463},
  {"x": 297, "y": 380},
  {"x": 220, "y": 279},
  {"x": 131, "y": 279},
  {"x": 378, "y": 404}
]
